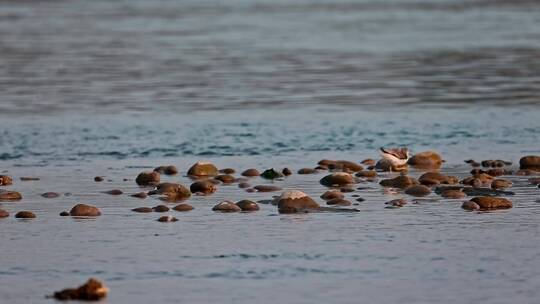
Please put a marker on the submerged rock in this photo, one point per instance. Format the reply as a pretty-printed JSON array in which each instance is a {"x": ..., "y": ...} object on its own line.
[
  {"x": 530, "y": 162},
  {"x": 167, "y": 219},
  {"x": 369, "y": 162},
  {"x": 366, "y": 174},
  {"x": 114, "y": 192},
  {"x": 488, "y": 203},
  {"x": 307, "y": 171},
  {"x": 10, "y": 195},
  {"x": 3, "y": 213},
  {"x": 453, "y": 194},
  {"x": 28, "y": 178},
  {"x": 427, "y": 160},
  {"x": 64, "y": 213},
  {"x": 271, "y": 174},
  {"x": 337, "y": 179},
  {"x": 25, "y": 214},
  {"x": 50, "y": 195},
  {"x": 98, "y": 179},
  {"x": 142, "y": 210},
  {"x": 402, "y": 182},
  {"x": 227, "y": 171},
  {"x": 160, "y": 208},
  {"x": 226, "y": 178},
  {"x": 247, "y": 205},
  {"x": 293, "y": 201},
  {"x": 183, "y": 207},
  {"x": 147, "y": 179},
  {"x": 5, "y": 180},
  {"x": 501, "y": 184},
  {"x": 203, "y": 168},
  {"x": 332, "y": 194},
  {"x": 426, "y": 178},
  {"x": 266, "y": 188},
  {"x": 348, "y": 166},
  {"x": 418, "y": 190},
  {"x": 172, "y": 191},
  {"x": 92, "y": 290},
  {"x": 140, "y": 195},
  {"x": 84, "y": 210},
  {"x": 167, "y": 170},
  {"x": 203, "y": 187},
  {"x": 339, "y": 202},
  {"x": 226, "y": 206},
  {"x": 251, "y": 172}
]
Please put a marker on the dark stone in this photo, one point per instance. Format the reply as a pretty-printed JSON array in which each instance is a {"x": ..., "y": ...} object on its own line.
[
  {"x": 148, "y": 179},
  {"x": 271, "y": 174},
  {"x": 203, "y": 187},
  {"x": 160, "y": 208},
  {"x": 50, "y": 195},
  {"x": 183, "y": 207},
  {"x": 64, "y": 213},
  {"x": 142, "y": 209},
  {"x": 203, "y": 169},
  {"x": 226, "y": 207},
  {"x": 226, "y": 178},
  {"x": 10, "y": 195},
  {"x": 84, "y": 210},
  {"x": 251, "y": 172},
  {"x": 286, "y": 171},
  {"x": 418, "y": 190},
  {"x": 247, "y": 205},
  {"x": 140, "y": 195},
  {"x": 339, "y": 202},
  {"x": 266, "y": 188},
  {"x": 227, "y": 171},
  {"x": 98, "y": 179},
  {"x": 114, "y": 192},
  {"x": 5, "y": 180},
  {"x": 25, "y": 214},
  {"x": 167, "y": 219},
  {"x": 337, "y": 179},
  {"x": 92, "y": 290},
  {"x": 167, "y": 170}
]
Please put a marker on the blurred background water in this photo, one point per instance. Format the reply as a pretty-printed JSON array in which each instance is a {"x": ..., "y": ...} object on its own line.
[{"x": 101, "y": 87}]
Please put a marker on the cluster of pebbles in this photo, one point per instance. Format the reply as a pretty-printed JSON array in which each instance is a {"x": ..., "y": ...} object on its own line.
[{"x": 485, "y": 186}]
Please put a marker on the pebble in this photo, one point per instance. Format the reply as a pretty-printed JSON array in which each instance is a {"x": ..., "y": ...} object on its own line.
[
  {"x": 251, "y": 173},
  {"x": 337, "y": 179},
  {"x": 332, "y": 194},
  {"x": 172, "y": 191},
  {"x": 84, "y": 210},
  {"x": 307, "y": 171},
  {"x": 339, "y": 202},
  {"x": 402, "y": 182},
  {"x": 369, "y": 162},
  {"x": 396, "y": 203},
  {"x": 244, "y": 185},
  {"x": 25, "y": 214},
  {"x": 293, "y": 201},
  {"x": 5, "y": 180},
  {"x": 530, "y": 162},
  {"x": 64, "y": 213},
  {"x": 427, "y": 160},
  {"x": 167, "y": 219},
  {"x": 266, "y": 188},
  {"x": 453, "y": 194},
  {"x": 142, "y": 209},
  {"x": 366, "y": 174},
  {"x": 50, "y": 195},
  {"x": 226, "y": 206},
  {"x": 501, "y": 184},
  {"x": 225, "y": 178},
  {"x": 147, "y": 179},
  {"x": 418, "y": 190},
  {"x": 98, "y": 179},
  {"x": 167, "y": 170},
  {"x": 440, "y": 178},
  {"x": 203, "y": 168},
  {"x": 227, "y": 171},
  {"x": 10, "y": 195},
  {"x": 160, "y": 208},
  {"x": 247, "y": 205},
  {"x": 3, "y": 213},
  {"x": 286, "y": 171},
  {"x": 114, "y": 192},
  {"x": 140, "y": 195},
  {"x": 490, "y": 203},
  {"x": 183, "y": 207},
  {"x": 203, "y": 187}
]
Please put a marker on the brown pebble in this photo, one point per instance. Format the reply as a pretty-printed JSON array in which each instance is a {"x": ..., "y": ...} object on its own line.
[
  {"x": 266, "y": 188},
  {"x": 183, "y": 207},
  {"x": 203, "y": 168},
  {"x": 418, "y": 190},
  {"x": 167, "y": 218},
  {"x": 148, "y": 179},
  {"x": 251, "y": 172},
  {"x": 501, "y": 184},
  {"x": 369, "y": 162},
  {"x": 140, "y": 195},
  {"x": 396, "y": 203},
  {"x": 25, "y": 214},
  {"x": 250, "y": 190},
  {"x": 453, "y": 194},
  {"x": 435, "y": 178},
  {"x": 92, "y": 290},
  {"x": 337, "y": 179},
  {"x": 142, "y": 209},
  {"x": 226, "y": 206},
  {"x": 84, "y": 210},
  {"x": 50, "y": 195},
  {"x": 244, "y": 185},
  {"x": 167, "y": 170},
  {"x": 286, "y": 171},
  {"x": 321, "y": 167},
  {"x": 525, "y": 172},
  {"x": 339, "y": 202},
  {"x": 346, "y": 189},
  {"x": 10, "y": 195},
  {"x": 227, "y": 171},
  {"x": 114, "y": 192},
  {"x": 366, "y": 174},
  {"x": 160, "y": 208},
  {"x": 332, "y": 194},
  {"x": 426, "y": 160},
  {"x": 3, "y": 213},
  {"x": 490, "y": 202},
  {"x": 247, "y": 205},
  {"x": 64, "y": 213},
  {"x": 203, "y": 187},
  {"x": 225, "y": 178},
  {"x": 29, "y": 178},
  {"x": 401, "y": 182},
  {"x": 470, "y": 205},
  {"x": 5, "y": 180},
  {"x": 530, "y": 162},
  {"x": 349, "y": 166},
  {"x": 307, "y": 171},
  {"x": 98, "y": 179},
  {"x": 294, "y": 201}
]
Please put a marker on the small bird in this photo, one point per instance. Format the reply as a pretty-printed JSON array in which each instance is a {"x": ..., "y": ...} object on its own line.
[{"x": 398, "y": 157}]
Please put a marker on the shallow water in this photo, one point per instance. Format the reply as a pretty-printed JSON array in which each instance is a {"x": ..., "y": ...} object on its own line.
[{"x": 116, "y": 87}]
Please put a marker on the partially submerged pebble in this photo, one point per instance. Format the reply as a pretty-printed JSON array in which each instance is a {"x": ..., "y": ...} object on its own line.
[
  {"x": 251, "y": 172},
  {"x": 50, "y": 195},
  {"x": 167, "y": 219},
  {"x": 396, "y": 203},
  {"x": 167, "y": 170},
  {"x": 147, "y": 179},
  {"x": 418, "y": 190},
  {"x": 428, "y": 178},
  {"x": 526, "y": 172},
  {"x": 402, "y": 182},
  {"x": 183, "y": 207},
  {"x": 226, "y": 206},
  {"x": 369, "y": 162},
  {"x": 114, "y": 192},
  {"x": 286, "y": 171},
  {"x": 203, "y": 168},
  {"x": 350, "y": 166},
  {"x": 92, "y": 290},
  {"x": 337, "y": 179},
  {"x": 64, "y": 213},
  {"x": 25, "y": 214},
  {"x": 160, "y": 208},
  {"x": 98, "y": 179},
  {"x": 332, "y": 194},
  {"x": 453, "y": 194},
  {"x": 360, "y": 199},
  {"x": 307, "y": 171},
  {"x": 5, "y": 180},
  {"x": 534, "y": 181},
  {"x": 244, "y": 185},
  {"x": 339, "y": 202},
  {"x": 172, "y": 191},
  {"x": 140, "y": 195},
  {"x": 225, "y": 178},
  {"x": 293, "y": 201},
  {"x": 271, "y": 174},
  {"x": 10, "y": 195},
  {"x": 28, "y": 178},
  {"x": 488, "y": 203},
  {"x": 366, "y": 174},
  {"x": 84, "y": 210},
  {"x": 203, "y": 187},
  {"x": 347, "y": 189},
  {"x": 3, "y": 213},
  {"x": 227, "y": 171},
  {"x": 470, "y": 205},
  {"x": 426, "y": 160},
  {"x": 498, "y": 172},
  {"x": 530, "y": 162},
  {"x": 501, "y": 184},
  {"x": 247, "y": 205},
  {"x": 142, "y": 209},
  {"x": 266, "y": 188}
]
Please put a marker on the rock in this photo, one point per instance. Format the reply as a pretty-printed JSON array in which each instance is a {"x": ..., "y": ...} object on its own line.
[
  {"x": 526, "y": 172},
  {"x": 453, "y": 194},
  {"x": 346, "y": 189},
  {"x": 251, "y": 173},
  {"x": 430, "y": 182},
  {"x": 470, "y": 205},
  {"x": 475, "y": 164},
  {"x": 369, "y": 162},
  {"x": 25, "y": 214},
  {"x": 418, "y": 190},
  {"x": 172, "y": 191},
  {"x": 84, "y": 210},
  {"x": 307, "y": 171},
  {"x": 487, "y": 163},
  {"x": 321, "y": 167},
  {"x": 203, "y": 187},
  {"x": 476, "y": 171},
  {"x": 530, "y": 162},
  {"x": 402, "y": 182},
  {"x": 346, "y": 165},
  {"x": 148, "y": 179},
  {"x": 247, "y": 205},
  {"x": 427, "y": 160},
  {"x": 183, "y": 207},
  {"x": 429, "y": 177},
  {"x": 167, "y": 170},
  {"x": 214, "y": 181},
  {"x": 337, "y": 179},
  {"x": 226, "y": 206},
  {"x": 534, "y": 181},
  {"x": 64, "y": 213},
  {"x": 92, "y": 290},
  {"x": 271, "y": 174},
  {"x": 497, "y": 172},
  {"x": 501, "y": 184},
  {"x": 142, "y": 209},
  {"x": 326, "y": 162},
  {"x": 366, "y": 174},
  {"x": 227, "y": 171},
  {"x": 360, "y": 199},
  {"x": 244, "y": 185},
  {"x": 203, "y": 169},
  {"x": 332, "y": 194},
  {"x": 267, "y": 188},
  {"x": 10, "y": 195},
  {"x": 160, "y": 208},
  {"x": 293, "y": 201},
  {"x": 167, "y": 219},
  {"x": 478, "y": 180},
  {"x": 339, "y": 202},
  {"x": 50, "y": 195},
  {"x": 3, "y": 213},
  {"x": 396, "y": 203},
  {"x": 286, "y": 171},
  {"x": 140, "y": 195},
  {"x": 114, "y": 192},
  {"x": 226, "y": 178},
  {"x": 28, "y": 178},
  {"x": 250, "y": 190},
  {"x": 491, "y": 203},
  {"x": 5, "y": 180},
  {"x": 98, "y": 179}
]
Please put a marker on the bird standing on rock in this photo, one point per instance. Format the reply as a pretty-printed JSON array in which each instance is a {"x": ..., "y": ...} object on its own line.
[{"x": 397, "y": 157}]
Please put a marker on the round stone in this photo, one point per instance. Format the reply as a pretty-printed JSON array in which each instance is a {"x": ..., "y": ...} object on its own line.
[
  {"x": 203, "y": 168},
  {"x": 84, "y": 210},
  {"x": 418, "y": 190},
  {"x": 147, "y": 179}
]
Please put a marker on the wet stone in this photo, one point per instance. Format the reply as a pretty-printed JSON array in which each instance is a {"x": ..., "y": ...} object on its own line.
[
  {"x": 307, "y": 171},
  {"x": 266, "y": 188},
  {"x": 183, "y": 208},
  {"x": 339, "y": 202},
  {"x": 28, "y": 178},
  {"x": 226, "y": 207},
  {"x": 148, "y": 179},
  {"x": 337, "y": 179},
  {"x": 453, "y": 194},
  {"x": 401, "y": 182},
  {"x": 166, "y": 170},
  {"x": 114, "y": 192},
  {"x": 92, "y": 290},
  {"x": 294, "y": 201},
  {"x": 369, "y": 162},
  {"x": 140, "y": 195},
  {"x": 10, "y": 195},
  {"x": 3, "y": 213},
  {"x": 64, "y": 213},
  {"x": 203, "y": 168},
  {"x": 227, "y": 171},
  {"x": 501, "y": 184},
  {"x": 332, "y": 194},
  {"x": 247, "y": 205},
  {"x": 142, "y": 209},
  {"x": 396, "y": 203},
  {"x": 160, "y": 208},
  {"x": 491, "y": 203},
  {"x": 244, "y": 185},
  {"x": 427, "y": 160},
  {"x": 50, "y": 195},
  {"x": 226, "y": 178},
  {"x": 167, "y": 219},
  {"x": 366, "y": 174},
  {"x": 251, "y": 173},
  {"x": 25, "y": 214},
  {"x": 98, "y": 179},
  {"x": 84, "y": 210},
  {"x": 172, "y": 191},
  {"x": 286, "y": 171},
  {"x": 5, "y": 180},
  {"x": 418, "y": 190},
  {"x": 203, "y": 187},
  {"x": 530, "y": 162}
]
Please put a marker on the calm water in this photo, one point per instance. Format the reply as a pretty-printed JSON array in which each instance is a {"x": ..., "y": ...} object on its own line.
[{"x": 115, "y": 87}]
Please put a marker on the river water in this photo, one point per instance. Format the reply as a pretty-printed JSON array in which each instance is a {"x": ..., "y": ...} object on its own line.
[{"x": 116, "y": 87}]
